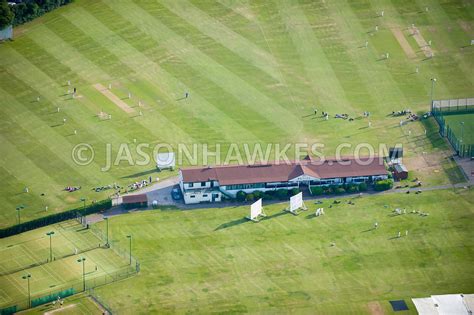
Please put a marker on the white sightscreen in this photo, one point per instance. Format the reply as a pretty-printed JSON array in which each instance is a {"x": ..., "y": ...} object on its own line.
[
  {"x": 165, "y": 160},
  {"x": 296, "y": 201},
  {"x": 256, "y": 209}
]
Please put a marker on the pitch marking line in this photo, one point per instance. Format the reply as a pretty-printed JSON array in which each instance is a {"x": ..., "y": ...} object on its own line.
[{"x": 114, "y": 98}]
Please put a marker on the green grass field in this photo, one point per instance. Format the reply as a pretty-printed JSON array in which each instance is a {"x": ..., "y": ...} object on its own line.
[
  {"x": 29, "y": 253},
  {"x": 464, "y": 132},
  {"x": 254, "y": 70},
  {"x": 214, "y": 260}
]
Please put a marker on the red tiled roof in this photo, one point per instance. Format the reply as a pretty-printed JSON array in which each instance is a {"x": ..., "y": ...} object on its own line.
[
  {"x": 134, "y": 198},
  {"x": 284, "y": 171}
]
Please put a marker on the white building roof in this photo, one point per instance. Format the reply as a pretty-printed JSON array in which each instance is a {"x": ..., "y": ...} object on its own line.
[{"x": 448, "y": 304}]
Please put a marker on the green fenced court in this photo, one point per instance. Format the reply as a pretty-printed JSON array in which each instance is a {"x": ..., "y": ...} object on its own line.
[
  {"x": 28, "y": 253},
  {"x": 456, "y": 122},
  {"x": 462, "y": 126}
]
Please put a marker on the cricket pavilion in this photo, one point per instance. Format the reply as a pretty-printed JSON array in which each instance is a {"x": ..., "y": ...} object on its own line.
[{"x": 212, "y": 183}]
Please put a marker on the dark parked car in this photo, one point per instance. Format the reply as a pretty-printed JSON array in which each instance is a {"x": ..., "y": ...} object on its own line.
[{"x": 176, "y": 194}]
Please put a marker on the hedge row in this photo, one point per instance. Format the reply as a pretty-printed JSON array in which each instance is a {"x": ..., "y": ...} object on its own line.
[
  {"x": 385, "y": 184},
  {"x": 338, "y": 189},
  {"x": 279, "y": 194},
  {"x": 55, "y": 218}
]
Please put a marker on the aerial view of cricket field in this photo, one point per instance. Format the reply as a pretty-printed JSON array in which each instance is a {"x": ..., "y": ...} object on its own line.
[{"x": 237, "y": 156}]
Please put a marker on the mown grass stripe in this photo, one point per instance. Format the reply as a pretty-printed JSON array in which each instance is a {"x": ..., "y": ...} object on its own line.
[
  {"x": 227, "y": 37},
  {"x": 54, "y": 44},
  {"x": 318, "y": 70},
  {"x": 43, "y": 137},
  {"x": 247, "y": 94},
  {"x": 267, "y": 85},
  {"x": 122, "y": 49}
]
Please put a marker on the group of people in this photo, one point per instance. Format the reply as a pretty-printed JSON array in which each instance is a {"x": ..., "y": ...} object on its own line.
[
  {"x": 140, "y": 184},
  {"x": 107, "y": 187},
  {"x": 412, "y": 117},
  {"x": 344, "y": 116},
  {"x": 401, "y": 112},
  {"x": 72, "y": 188}
]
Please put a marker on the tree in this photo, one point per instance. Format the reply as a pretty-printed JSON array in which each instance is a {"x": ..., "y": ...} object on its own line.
[
  {"x": 282, "y": 194},
  {"x": 249, "y": 197},
  {"x": 317, "y": 190},
  {"x": 294, "y": 191},
  {"x": 241, "y": 196},
  {"x": 362, "y": 187},
  {"x": 6, "y": 14}
]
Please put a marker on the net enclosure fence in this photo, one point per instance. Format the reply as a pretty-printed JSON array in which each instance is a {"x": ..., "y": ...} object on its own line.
[{"x": 442, "y": 110}]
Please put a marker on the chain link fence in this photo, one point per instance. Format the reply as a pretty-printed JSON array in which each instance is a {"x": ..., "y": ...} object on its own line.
[
  {"x": 67, "y": 289},
  {"x": 20, "y": 303},
  {"x": 442, "y": 108}
]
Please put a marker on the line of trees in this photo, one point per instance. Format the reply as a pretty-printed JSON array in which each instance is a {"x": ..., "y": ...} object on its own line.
[{"x": 23, "y": 11}]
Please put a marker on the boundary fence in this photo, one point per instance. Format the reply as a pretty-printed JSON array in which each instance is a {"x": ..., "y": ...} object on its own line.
[
  {"x": 113, "y": 244},
  {"x": 98, "y": 300},
  {"x": 66, "y": 290},
  {"x": 441, "y": 108}
]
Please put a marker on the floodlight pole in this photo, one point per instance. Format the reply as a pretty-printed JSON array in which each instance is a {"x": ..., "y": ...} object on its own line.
[
  {"x": 433, "y": 81},
  {"x": 83, "y": 260},
  {"x": 130, "y": 251},
  {"x": 27, "y": 277},
  {"x": 50, "y": 245},
  {"x": 18, "y": 214},
  {"x": 107, "y": 231},
  {"x": 462, "y": 130}
]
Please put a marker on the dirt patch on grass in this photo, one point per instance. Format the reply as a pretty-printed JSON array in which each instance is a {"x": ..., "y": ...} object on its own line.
[
  {"x": 403, "y": 42},
  {"x": 415, "y": 163},
  {"x": 422, "y": 43},
  {"x": 245, "y": 12},
  {"x": 375, "y": 308},
  {"x": 114, "y": 98},
  {"x": 466, "y": 27}
]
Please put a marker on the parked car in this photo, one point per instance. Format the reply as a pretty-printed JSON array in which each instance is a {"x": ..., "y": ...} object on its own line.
[{"x": 176, "y": 194}]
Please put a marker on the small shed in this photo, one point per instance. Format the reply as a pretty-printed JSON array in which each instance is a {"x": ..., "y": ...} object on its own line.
[
  {"x": 135, "y": 201},
  {"x": 6, "y": 33},
  {"x": 400, "y": 171}
]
